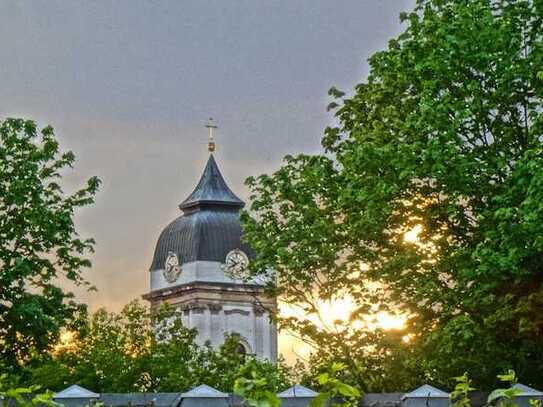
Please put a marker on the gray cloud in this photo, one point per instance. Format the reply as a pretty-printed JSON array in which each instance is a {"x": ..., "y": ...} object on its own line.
[{"x": 128, "y": 85}]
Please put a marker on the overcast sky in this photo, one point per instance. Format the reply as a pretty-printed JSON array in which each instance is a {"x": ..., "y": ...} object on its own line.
[{"x": 128, "y": 85}]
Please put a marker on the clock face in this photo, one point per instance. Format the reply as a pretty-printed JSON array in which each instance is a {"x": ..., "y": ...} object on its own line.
[
  {"x": 172, "y": 268},
  {"x": 236, "y": 264}
]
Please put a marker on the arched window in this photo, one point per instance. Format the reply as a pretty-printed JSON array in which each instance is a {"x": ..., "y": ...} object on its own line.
[{"x": 242, "y": 350}]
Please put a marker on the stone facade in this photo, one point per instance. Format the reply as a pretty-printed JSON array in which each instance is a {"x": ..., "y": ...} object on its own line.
[{"x": 217, "y": 306}]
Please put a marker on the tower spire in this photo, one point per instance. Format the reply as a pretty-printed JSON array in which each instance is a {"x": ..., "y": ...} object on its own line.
[
  {"x": 212, "y": 190},
  {"x": 210, "y": 125}
]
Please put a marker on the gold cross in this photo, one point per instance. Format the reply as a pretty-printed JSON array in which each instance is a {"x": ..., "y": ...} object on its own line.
[{"x": 211, "y": 126}]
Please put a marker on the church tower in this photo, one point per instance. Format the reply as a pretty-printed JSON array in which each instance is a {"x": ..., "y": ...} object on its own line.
[{"x": 199, "y": 265}]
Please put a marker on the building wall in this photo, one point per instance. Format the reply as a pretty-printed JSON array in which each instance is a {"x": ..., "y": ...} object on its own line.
[
  {"x": 217, "y": 306},
  {"x": 202, "y": 271}
]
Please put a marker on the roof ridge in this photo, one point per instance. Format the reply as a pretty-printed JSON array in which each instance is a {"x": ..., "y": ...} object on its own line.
[
  {"x": 527, "y": 390},
  {"x": 75, "y": 391},
  {"x": 204, "y": 391},
  {"x": 426, "y": 390}
]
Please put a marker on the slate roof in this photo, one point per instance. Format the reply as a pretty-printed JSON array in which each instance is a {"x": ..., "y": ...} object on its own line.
[
  {"x": 527, "y": 391},
  {"x": 425, "y": 391},
  {"x": 200, "y": 393},
  {"x": 209, "y": 227},
  {"x": 75, "y": 392},
  {"x": 212, "y": 189},
  {"x": 297, "y": 391},
  {"x": 141, "y": 399},
  {"x": 381, "y": 400},
  {"x": 204, "y": 391}
]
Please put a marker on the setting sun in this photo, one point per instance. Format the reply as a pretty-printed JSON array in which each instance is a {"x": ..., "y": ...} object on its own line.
[
  {"x": 388, "y": 321},
  {"x": 332, "y": 315},
  {"x": 412, "y": 235}
]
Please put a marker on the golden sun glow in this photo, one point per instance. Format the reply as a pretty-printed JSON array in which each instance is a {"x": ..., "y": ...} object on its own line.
[
  {"x": 412, "y": 235},
  {"x": 336, "y": 314},
  {"x": 389, "y": 321},
  {"x": 332, "y": 315},
  {"x": 66, "y": 338},
  {"x": 67, "y": 341}
]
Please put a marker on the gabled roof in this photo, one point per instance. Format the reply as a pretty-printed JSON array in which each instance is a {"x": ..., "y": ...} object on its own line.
[
  {"x": 204, "y": 391},
  {"x": 75, "y": 392},
  {"x": 425, "y": 391},
  {"x": 297, "y": 391},
  {"x": 527, "y": 391},
  {"x": 212, "y": 189}
]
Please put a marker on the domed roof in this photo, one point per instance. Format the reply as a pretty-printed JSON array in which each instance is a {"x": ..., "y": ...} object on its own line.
[{"x": 209, "y": 227}]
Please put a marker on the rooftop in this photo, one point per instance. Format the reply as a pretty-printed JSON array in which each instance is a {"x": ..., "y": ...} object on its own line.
[{"x": 212, "y": 189}]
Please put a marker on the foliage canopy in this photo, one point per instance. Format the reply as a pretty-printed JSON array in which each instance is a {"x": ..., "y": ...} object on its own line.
[
  {"x": 443, "y": 140},
  {"x": 39, "y": 243},
  {"x": 136, "y": 351}
]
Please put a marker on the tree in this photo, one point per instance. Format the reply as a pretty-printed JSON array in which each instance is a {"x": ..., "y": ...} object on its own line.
[
  {"x": 257, "y": 385},
  {"x": 335, "y": 390},
  {"x": 443, "y": 141},
  {"x": 372, "y": 360},
  {"x": 38, "y": 240},
  {"x": 23, "y": 397},
  {"x": 136, "y": 351}
]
